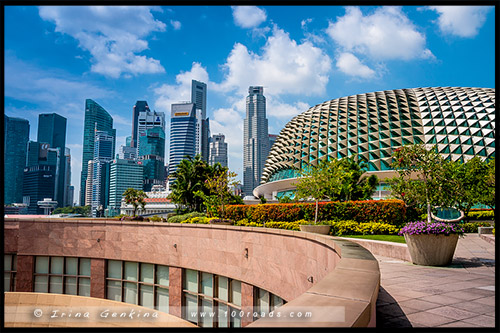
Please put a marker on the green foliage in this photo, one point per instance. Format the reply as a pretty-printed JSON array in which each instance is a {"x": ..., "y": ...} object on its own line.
[
  {"x": 283, "y": 225},
  {"x": 386, "y": 238},
  {"x": 197, "y": 220},
  {"x": 155, "y": 218},
  {"x": 262, "y": 199},
  {"x": 340, "y": 228},
  {"x": 83, "y": 210},
  {"x": 487, "y": 197},
  {"x": 472, "y": 227},
  {"x": 387, "y": 211},
  {"x": 482, "y": 215},
  {"x": 135, "y": 198},
  {"x": 183, "y": 217},
  {"x": 337, "y": 180},
  {"x": 285, "y": 199},
  {"x": 219, "y": 184}
]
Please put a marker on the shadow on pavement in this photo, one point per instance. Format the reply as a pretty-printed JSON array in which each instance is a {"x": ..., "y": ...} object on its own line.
[
  {"x": 459, "y": 262},
  {"x": 389, "y": 313}
]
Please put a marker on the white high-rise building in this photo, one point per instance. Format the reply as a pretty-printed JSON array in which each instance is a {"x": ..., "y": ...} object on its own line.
[
  {"x": 218, "y": 150},
  {"x": 255, "y": 139}
]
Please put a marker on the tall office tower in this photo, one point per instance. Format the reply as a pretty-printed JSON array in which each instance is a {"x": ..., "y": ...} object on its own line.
[
  {"x": 152, "y": 156},
  {"x": 198, "y": 136},
  {"x": 147, "y": 120},
  {"x": 128, "y": 141},
  {"x": 88, "y": 183},
  {"x": 140, "y": 106},
  {"x": 182, "y": 134},
  {"x": 95, "y": 118},
  {"x": 52, "y": 130},
  {"x": 16, "y": 137},
  {"x": 68, "y": 197},
  {"x": 103, "y": 154},
  {"x": 199, "y": 98},
  {"x": 255, "y": 139},
  {"x": 218, "y": 150},
  {"x": 127, "y": 153},
  {"x": 123, "y": 174},
  {"x": 39, "y": 176}
]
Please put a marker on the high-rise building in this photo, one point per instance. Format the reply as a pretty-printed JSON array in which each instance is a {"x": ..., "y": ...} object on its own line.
[
  {"x": 152, "y": 156},
  {"x": 123, "y": 174},
  {"x": 52, "y": 130},
  {"x": 182, "y": 134},
  {"x": 39, "y": 176},
  {"x": 218, "y": 150},
  {"x": 272, "y": 140},
  {"x": 255, "y": 139},
  {"x": 127, "y": 153},
  {"x": 199, "y": 98},
  {"x": 88, "y": 183},
  {"x": 68, "y": 197},
  {"x": 103, "y": 154},
  {"x": 16, "y": 137},
  {"x": 140, "y": 106},
  {"x": 96, "y": 117}
]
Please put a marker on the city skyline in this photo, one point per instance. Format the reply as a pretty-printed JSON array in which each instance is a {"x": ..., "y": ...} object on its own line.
[{"x": 302, "y": 56}]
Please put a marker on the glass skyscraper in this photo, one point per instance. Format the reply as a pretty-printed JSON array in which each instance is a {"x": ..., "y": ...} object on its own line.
[
  {"x": 52, "y": 130},
  {"x": 199, "y": 98},
  {"x": 16, "y": 136},
  {"x": 103, "y": 154},
  {"x": 218, "y": 150},
  {"x": 140, "y": 106},
  {"x": 182, "y": 134},
  {"x": 123, "y": 174},
  {"x": 255, "y": 139},
  {"x": 152, "y": 155},
  {"x": 96, "y": 118}
]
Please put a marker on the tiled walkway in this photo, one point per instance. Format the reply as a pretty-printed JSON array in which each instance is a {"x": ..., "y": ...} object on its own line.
[{"x": 460, "y": 295}]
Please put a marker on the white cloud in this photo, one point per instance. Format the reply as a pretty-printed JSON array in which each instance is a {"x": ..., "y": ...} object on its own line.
[
  {"x": 284, "y": 67},
  {"x": 305, "y": 22},
  {"x": 462, "y": 21},
  {"x": 181, "y": 91},
  {"x": 275, "y": 107},
  {"x": 114, "y": 35},
  {"x": 176, "y": 24},
  {"x": 349, "y": 64},
  {"x": 385, "y": 34},
  {"x": 248, "y": 16}
]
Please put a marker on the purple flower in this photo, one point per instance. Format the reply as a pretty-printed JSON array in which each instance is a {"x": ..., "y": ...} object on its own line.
[{"x": 436, "y": 228}]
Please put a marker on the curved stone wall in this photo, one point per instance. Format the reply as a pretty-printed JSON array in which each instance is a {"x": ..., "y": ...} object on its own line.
[{"x": 284, "y": 262}]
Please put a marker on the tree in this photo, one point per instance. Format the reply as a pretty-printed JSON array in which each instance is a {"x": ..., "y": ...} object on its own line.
[
  {"x": 487, "y": 195},
  {"x": 337, "y": 180},
  {"x": 190, "y": 178},
  {"x": 135, "y": 198},
  {"x": 467, "y": 182},
  {"x": 82, "y": 210},
  {"x": 422, "y": 178},
  {"x": 219, "y": 186}
]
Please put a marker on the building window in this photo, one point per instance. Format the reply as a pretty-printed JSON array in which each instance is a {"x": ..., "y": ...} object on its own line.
[
  {"x": 138, "y": 283},
  {"x": 62, "y": 275},
  {"x": 9, "y": 272},
  {"x": 265, "y": 302},
  {"x": 210, "y": 300}
]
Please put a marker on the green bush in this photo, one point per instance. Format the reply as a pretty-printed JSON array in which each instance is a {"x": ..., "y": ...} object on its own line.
[
  {"x": 197, "y": 219},
  {"x": 472, "y": 227},
  {"x": 183, "y": 217},
  {"x": 155, "y": 218},
  {"x": 384, "y": 211},
  {"x": 482, "y": 215},
  {"x": 340, "y": 228},
  {"x": 283, "y": 225}
]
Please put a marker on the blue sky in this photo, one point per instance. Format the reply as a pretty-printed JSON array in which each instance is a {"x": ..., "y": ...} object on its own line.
[{"x": 56, "y": 57}]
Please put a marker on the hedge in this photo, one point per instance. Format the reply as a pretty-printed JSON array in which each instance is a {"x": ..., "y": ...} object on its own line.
[
  {"x": 472, "y": 227},
  {"x": 384, "y": 211},
  {"x": 482, "y": 215},
  {"x": 340, "y": 228}
]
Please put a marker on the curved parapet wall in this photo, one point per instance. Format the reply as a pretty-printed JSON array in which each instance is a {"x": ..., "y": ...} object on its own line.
[{"x": 303, "y": 269}]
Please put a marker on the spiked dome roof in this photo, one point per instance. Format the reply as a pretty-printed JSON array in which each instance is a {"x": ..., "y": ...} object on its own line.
[{"x": 461, "y": 121}]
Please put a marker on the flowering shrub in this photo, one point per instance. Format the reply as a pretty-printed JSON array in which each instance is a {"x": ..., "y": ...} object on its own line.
[
  {"x": 340, "y": 228},
  {"x": 384, "y": 211},
  {"x": 472, "y": 227},
  {"x": 437, "y": 228},
  {"x": 482, "y": 215},
  {"x": 283, "y": 225}
]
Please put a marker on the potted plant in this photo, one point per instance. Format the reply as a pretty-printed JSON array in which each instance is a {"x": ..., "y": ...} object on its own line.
[{"x": 431, "y": 243}]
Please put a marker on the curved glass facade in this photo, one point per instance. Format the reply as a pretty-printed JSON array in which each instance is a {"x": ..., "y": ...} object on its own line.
[{"x": 461, "y": 121}]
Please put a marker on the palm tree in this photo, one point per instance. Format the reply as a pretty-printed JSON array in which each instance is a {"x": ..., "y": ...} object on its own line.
[{"x": 135, "y": 198}]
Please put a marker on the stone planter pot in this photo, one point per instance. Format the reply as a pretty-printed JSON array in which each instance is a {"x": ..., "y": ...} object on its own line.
[
  {"x": 485, "y": 230},
  {"x": 317, "y": 229},
  {"x": 431, "y": 249},
  {"x": 222, "y": 222}
]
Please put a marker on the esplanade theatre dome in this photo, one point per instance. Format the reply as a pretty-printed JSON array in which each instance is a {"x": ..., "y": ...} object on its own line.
[{"x": 461, "y": 121}]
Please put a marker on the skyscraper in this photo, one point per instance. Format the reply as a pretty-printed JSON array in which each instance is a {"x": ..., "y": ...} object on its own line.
[
  {"x": 255, "y": 139},
  {"x": 52, "y": 130},
  {"x": 152, "y": 156},
  {"x": 68, "y": 195},
  {"x": 16, "y": 136},
  {"x": 103, "y": 154},
  {"x": 95, "y": 118},
  {"x": 123, "y": 174},
  {"x": 199, "y": 98},
  {"x": 218, "y": 150},
  {"x": 140, "y": 106},
  {"x": 182, "y": 134}
]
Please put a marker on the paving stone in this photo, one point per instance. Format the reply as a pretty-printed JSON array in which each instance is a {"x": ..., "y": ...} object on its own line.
[
  {"x": 486, "y": 300},
  {"x": 444, "y": 300},
  {"x": 484, "y": 321},
  {"x": 419, "y": 304},
  {"x": 452, "y": 312},
  {"x": 476, "y": 307},
  {"x": 458, "y": 323},
  {"x": 425, "y": 319}
]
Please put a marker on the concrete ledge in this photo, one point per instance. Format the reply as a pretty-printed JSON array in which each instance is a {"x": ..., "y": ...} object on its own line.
[
  {"x": 383, "y": 248},
  {"x": 346, "y": 297},
  {"x": 23, "y": 309}
]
